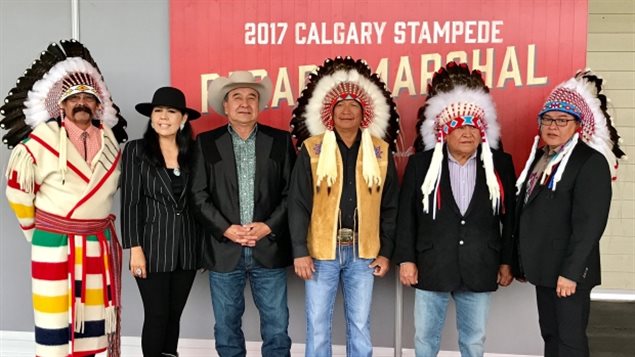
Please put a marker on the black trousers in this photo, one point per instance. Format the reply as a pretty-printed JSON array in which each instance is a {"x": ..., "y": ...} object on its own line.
[
  {"x": 164, "y": 296},
  {"x": 563, "y": 322}
]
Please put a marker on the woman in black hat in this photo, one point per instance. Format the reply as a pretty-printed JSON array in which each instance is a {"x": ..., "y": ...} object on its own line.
[{"x": 156, "y": 223}]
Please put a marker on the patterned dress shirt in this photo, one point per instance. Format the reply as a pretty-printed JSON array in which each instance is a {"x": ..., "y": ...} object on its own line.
[{"x": 245, "y": 156}]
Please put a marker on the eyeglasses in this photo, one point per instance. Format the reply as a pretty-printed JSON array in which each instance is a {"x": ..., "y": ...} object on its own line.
[{"x": 546, "y": 121}]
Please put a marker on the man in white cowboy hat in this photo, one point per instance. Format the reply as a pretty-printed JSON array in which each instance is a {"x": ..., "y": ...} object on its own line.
[
  {"x": 456, "y": 212},
  {"x": 240, "y": 182},
  {"x": 564, "y": 196},
  {"x": 343, "y": 198},
  {"x": 61, "y": 179}
]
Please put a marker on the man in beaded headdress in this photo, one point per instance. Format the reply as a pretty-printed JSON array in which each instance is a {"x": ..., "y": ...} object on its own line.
[
  {"x": 343, "y": 197},
  {"x": 456, "y": 195},
  {"x": 61, "y": 179},
  {"x": 564, "y": 194}
]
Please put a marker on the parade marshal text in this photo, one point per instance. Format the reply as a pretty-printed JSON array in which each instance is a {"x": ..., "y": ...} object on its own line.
[
  {"x": 373, "y": 32},
  {"x": 409, "y": 74}
]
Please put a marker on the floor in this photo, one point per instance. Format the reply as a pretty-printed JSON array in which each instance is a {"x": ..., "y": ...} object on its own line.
[
  {"x": 612, "y": 329},
  {"x": 611, "y": 334},
  {"x": 20, "y": 344}
]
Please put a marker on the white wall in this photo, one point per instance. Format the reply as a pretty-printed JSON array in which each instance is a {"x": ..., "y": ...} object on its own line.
[{"x": 611, "y": 53}]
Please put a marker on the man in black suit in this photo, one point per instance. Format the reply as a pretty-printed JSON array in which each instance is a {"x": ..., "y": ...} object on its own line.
[
  {"x": 563, "y": 206},
  {"x": 240, "y": 182},
  {"x": 453, "y": 201}
]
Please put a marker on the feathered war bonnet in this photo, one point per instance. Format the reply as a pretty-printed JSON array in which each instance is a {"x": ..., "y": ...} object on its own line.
[
  {"x": 336, "y": 80},
  {"x": 580, "y": 97},
  {"x": 457, "y": 97},
  {"x": 60, "y": 71}
]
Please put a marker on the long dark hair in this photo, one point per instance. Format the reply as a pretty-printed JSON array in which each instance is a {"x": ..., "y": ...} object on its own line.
[{"x": 152, "y": 148}]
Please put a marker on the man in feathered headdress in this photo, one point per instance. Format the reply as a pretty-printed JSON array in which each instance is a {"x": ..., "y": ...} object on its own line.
[
  {"x": 61, "y": 178},
  {"x": 564, "y": 194},
  {"x": 455, "y": 197},
  {"x": 343, "y": 197}
]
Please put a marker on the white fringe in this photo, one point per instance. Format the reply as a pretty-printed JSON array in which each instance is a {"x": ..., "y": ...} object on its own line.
[
  {"x": 370, "y": 166},
  {"x": 62, "y": 164},
  {"x": 432, "y": 176},
  {"x": 22, "y": 163},
  {"x": 79, "y": 317},
  {"x": 523, "y": 175},
  {"x": 490, "y": 176},
  {"x": 435, "y": 199},
  {"x": 327, "y": 162},
  {"x": 111, "y": 319}
]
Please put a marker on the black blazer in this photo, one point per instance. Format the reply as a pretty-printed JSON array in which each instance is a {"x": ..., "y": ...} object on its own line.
[
  {"x": 455, "y": 251},
  {"x": 558, "y": 232},
  {"x": 151, "y": 217},
  {"x": 216, "y": 203}
]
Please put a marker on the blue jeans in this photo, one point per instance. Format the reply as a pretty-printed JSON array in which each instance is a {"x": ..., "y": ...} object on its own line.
[
  {"x": 269, "y": 290},
  {"x": 357, "y": 283},
  {"x": 471, "y": 318}
]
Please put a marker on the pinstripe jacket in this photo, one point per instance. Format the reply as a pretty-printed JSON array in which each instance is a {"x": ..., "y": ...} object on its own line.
[{"x": 151, "y": 217}]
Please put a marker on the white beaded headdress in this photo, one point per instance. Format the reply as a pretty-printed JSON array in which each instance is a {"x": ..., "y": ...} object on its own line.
[
  {"x": 457, "y": 97},
  {"x": 336, "y": 80}
]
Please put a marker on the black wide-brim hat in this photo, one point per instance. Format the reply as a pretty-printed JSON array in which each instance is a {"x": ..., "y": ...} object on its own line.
[{"x": 168, "y": 97}]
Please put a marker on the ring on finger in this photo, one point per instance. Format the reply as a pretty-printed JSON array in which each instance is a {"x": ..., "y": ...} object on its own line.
[{"x": 138, "y": 272}]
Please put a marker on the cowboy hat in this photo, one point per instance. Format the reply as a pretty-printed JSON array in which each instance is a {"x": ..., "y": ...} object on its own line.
[
  {"x": 167, "y": 97},
  {"x": 219, "y": 88}
]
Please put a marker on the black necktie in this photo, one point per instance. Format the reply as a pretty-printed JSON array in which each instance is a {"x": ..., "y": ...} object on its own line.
[{"x": 84, "y": 136}]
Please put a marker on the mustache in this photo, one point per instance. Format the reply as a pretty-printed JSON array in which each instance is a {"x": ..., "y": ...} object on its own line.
[{"x": 82, "y": 108}]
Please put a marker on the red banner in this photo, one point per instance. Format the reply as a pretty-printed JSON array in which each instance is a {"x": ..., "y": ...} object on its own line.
[{"x": 523, "y": 47}]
